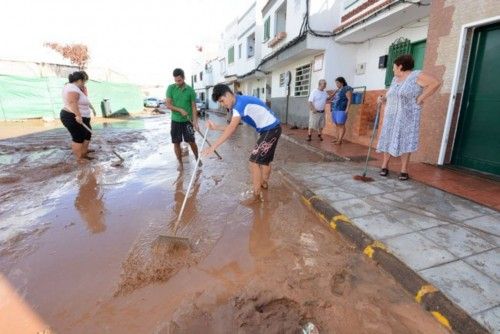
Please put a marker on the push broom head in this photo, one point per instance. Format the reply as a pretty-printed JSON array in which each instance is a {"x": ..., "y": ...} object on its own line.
[{"x": 363, "y": 178}]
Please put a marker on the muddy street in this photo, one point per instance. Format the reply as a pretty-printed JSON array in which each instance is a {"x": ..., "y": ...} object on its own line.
[{"x": 78, "y": 245}]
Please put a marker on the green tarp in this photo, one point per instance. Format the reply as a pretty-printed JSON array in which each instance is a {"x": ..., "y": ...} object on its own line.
[{"x": 24, "y": 97}]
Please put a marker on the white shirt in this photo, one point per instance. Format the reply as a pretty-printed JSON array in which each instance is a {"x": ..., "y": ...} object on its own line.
[
  {"x": 318, "y": 99},
  {"x": 83, "y": 101}
]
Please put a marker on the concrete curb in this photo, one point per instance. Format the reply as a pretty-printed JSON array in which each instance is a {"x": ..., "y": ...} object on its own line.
[{"x": 433, "y": 300}]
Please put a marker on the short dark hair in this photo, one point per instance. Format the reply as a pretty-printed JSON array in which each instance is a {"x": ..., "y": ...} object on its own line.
[
  {"x": 406, "y": 61},
  {"x": 219, "y": 90},
  {"x": 341, "y": 80},
  {"x": 178, "y": 72},
  {"x": 75, "y": 76}
]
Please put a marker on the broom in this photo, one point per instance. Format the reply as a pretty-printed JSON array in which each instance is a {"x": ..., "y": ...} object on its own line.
[{"x": 364, "y": 178}]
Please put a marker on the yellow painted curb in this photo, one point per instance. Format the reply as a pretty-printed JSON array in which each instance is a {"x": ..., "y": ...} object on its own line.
[
  {"x": 342, "y": 218},
  {"x": 425, "y": 289},
  {"x": 306, "y": 201},
  {"x": 370, "y": 249},
  {"x": 442, "y": 319}
]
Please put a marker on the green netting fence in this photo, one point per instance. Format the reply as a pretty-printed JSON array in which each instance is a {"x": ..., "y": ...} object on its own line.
[{"x": 25, "y": 97}]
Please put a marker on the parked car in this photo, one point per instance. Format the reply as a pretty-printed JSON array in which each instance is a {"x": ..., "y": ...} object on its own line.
[
  {"x": 200, "y": 107},
  {"x": 152, "y": 102}
]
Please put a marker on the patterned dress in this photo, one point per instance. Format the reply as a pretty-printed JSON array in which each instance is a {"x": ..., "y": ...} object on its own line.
[{"x": 400, "y": 131}]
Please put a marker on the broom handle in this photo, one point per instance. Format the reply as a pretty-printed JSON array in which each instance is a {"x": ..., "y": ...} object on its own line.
[
  {"x": 192, "y": 179},
  {"x": 216, "y": 153},
  {"x": 371, "y": 139},
  {"x": 112, "y": 149}
]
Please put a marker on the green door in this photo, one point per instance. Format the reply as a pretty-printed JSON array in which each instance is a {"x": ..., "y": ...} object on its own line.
[
  {"x": 477, "y": 143},
  {"x": 418, "y": 53}
]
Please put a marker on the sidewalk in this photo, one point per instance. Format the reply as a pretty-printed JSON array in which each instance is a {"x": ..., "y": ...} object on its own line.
[
  {"x": 474, "y": 187},
  {"x": 442, "y": 248}
]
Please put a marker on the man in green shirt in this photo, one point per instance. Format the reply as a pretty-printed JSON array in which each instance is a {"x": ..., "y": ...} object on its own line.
[{"x": 181, "y": 102}]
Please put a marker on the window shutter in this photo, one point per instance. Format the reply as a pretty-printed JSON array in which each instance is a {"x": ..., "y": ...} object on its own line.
[{"x": 400, "y": 47}]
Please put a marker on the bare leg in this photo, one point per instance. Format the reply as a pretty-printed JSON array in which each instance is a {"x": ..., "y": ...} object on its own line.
[
  {"x": 77, "y": 149},
  {"x": 266, "y": 174},
  {"x": 256, "y": 177},
  {"x": 85, "y": 147},
  {"x": 194, "y": 148},
  {"x": 178, "y": 152},
  {"x": 405, "y": 159},
  {"x": 341, "y": 133},
  {"x": 385, "y": 162},
  {"x": 336, "y": 135}
]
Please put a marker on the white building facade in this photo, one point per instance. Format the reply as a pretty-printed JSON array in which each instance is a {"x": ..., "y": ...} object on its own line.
[{"x": 300, "y": 42}]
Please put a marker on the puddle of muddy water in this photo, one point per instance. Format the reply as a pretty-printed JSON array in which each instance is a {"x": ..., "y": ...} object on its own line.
[{"x": 93, "y": 267}]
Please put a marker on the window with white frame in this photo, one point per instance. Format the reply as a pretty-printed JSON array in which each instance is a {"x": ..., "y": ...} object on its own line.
[
  {"x": 251, "y": 45},
  {"x": 230, "y": 55},
  {"x": 267, "y": 29},
  {"x": 239, "y": 51},
  {"x": 280, "y": 19},
  {"x": 302, "y": 80}
]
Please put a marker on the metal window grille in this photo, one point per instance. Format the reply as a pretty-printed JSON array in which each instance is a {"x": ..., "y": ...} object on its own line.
[
  {"x": 399, "y": 47},
  {"x": 282, "y": 79},
  {"x": 302, "y": 80}
]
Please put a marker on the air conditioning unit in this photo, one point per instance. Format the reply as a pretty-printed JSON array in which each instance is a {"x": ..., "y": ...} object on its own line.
[{"x": 360, "y": 68}]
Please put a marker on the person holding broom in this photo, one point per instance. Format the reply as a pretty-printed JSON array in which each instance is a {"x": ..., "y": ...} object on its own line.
[
  {"x": 257, "y": 114},
  {"x": 181, "y": 102}
]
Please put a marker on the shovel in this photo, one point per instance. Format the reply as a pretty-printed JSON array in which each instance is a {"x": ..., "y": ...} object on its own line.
[
  {"x": 171, "y": 242},
  {"x": 114, "y": 164}
]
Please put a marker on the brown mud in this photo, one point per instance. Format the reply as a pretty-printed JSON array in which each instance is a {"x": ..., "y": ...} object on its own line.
[{"x": 78, "y": 246}]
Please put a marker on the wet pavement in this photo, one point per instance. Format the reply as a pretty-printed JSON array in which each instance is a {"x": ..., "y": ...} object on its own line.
[
  {"x": 77, "y": 250},
  {"x": 452, "y": 243}
]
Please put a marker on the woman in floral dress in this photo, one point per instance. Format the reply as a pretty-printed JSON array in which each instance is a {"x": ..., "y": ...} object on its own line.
[{"x": 400, "y": 130}]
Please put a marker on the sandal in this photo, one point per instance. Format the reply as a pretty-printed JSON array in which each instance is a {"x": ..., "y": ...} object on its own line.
[
  {"x": 384, "y": 172},
  {"x": 320, "y": 138},
  {"x": 403, "y": 176},
  {"x": 264, "y": 185},
  {"x": 309, "y": 138}
]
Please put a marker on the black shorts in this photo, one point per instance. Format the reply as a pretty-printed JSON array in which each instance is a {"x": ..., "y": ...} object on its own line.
[
  {"x": 263, "y": 152},
  {"x": 78, "y": 133},
  {"x": 182, "y": 131}
]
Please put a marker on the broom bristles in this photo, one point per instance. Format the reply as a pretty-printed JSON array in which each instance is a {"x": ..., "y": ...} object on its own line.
[{"x": 363, "y": 178}]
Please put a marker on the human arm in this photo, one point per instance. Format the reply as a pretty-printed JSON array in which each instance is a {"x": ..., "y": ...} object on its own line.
[
  {"x": 171, "y": 107},
  {"x": 72, "y": 98},
  {"x": 227, "y": 132},
  {"x": 348, "y": 95},
  {"x": 429, "y": 85},
  {"x": 194, "y": 110},
  {"x": 92, "y": 108},
  {"x": 195, "y": 115},
  {"x": 382, "y": 99},
  {"x": 311, "y": 100},
  {"x": 311, "y": 107}
]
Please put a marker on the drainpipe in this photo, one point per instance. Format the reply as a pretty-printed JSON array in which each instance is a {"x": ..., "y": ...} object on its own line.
[{"x": 287, "y": 79}]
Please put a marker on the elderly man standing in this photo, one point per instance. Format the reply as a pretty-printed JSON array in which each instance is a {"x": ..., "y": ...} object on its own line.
[{"x": 317, "y": 101}]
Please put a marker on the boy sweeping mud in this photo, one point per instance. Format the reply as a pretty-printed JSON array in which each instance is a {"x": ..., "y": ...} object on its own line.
[{"x": 255, "y": 113}]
